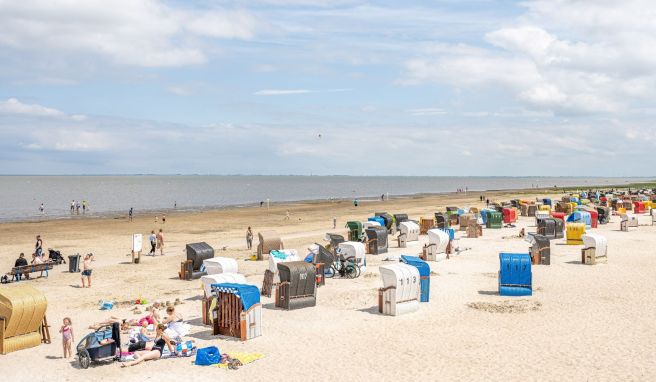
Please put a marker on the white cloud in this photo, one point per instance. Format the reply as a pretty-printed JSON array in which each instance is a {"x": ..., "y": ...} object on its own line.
[
  {"x": 180, "y": 90},
  {"x": 12, "y": 106},
  {"x": 426, "y": 111},
  {"x": 274, "y": 92},
  {"x": 568, "y": 56},
  {"x": 277, "y": 92},
  {"x": 145, "y": 33}
]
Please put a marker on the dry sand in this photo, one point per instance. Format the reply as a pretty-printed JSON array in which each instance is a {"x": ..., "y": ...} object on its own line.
[{"x": 582, "y": 322}]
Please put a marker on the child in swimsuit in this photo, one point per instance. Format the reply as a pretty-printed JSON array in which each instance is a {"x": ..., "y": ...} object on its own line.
[{"x": 67, "y": 336}]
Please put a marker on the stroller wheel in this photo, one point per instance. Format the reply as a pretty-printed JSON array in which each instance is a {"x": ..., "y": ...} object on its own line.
[{"x": 84, "y": 359}]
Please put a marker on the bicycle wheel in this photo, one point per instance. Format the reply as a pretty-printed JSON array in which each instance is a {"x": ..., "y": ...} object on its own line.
[
  {"x": 350, "y": 271},
  {"x": 358, "y": 270}
]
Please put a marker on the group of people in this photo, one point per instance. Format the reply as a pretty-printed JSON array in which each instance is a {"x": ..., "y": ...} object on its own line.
[
  {"x": 153, "y": 333},
  {"x": 156, "y": 242},
  {"x": 75, "y": 207},
  {"x": 38, "y": 257}
]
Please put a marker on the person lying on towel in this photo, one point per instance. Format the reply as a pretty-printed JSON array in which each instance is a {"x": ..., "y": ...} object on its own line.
[{"x": 155, "y": 352}]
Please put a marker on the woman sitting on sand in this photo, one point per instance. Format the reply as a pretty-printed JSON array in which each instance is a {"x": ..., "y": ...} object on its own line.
[
  {"x": 176, "y": 327},
  {"x": 155, "y": 352}
]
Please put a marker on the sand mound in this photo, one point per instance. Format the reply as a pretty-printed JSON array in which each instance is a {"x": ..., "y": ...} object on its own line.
[{"x": 507, "y": 306}]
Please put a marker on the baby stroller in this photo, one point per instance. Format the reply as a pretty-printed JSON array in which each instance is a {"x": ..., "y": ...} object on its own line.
[
  {"x": 102, "y": 345},
  {"x": 56, "y": 256}
]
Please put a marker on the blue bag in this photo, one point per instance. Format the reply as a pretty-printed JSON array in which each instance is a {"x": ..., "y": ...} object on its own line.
[{"x": 207, "y": 356}]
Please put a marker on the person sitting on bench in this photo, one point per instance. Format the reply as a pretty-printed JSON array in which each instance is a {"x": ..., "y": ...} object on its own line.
[{"x": 21, "y": 261}]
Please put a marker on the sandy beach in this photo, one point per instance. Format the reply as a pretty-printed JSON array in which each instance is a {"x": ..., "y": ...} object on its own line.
[{"x": 591, "y": 323}]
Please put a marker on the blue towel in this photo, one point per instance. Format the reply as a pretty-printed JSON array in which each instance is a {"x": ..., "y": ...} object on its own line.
[{"x": 248, "y": 294}]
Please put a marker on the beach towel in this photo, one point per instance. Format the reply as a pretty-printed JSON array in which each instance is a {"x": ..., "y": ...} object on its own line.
[{"x": 244, "y": 358}]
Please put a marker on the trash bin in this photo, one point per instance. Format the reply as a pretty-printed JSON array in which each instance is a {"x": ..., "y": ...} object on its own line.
[{"x": 74, "y": 263}]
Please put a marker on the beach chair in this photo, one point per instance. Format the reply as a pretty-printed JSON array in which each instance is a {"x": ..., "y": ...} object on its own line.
[
  {"x": 494, "y": 220},
  {"x": 627, "y": 222},
  {"x": 410, "y": 229},
  {"x": 22, "y": 318},
  {"x": 333, "y": 239},
  {"x": 474, "y": 230},
  {"x": 354, "y": 251},
  {"x": 238, "y": 311},
  {"x": 197, "y": 253},
  {"x": 540, "y": 249},
  {"x": 297, "y": 288},
  {"x": 424, "y": 275},
  {"x": 441, "y": 220},
  {"x": 217, "y": 265},
  {"x": 509, "y": 215},
  {"x": 389, "y": 222},
  {"x": 401, "y": 289},
  {"x": 575, "y": 232},
  {"x": 425, "y": 224},
  {"x": 376, "y": 240},
  {"x": 400, "y": 218},
  {"x": 594, "y": 249},
  {"x": 464, "y": 219},
  {"x": 515, "y": 276},
  {"x": 269, "y": 241},
  {"x": 436, "y": 249},
  {"x": 355, "y": 230},
  {"x": 323, "y": 261}
]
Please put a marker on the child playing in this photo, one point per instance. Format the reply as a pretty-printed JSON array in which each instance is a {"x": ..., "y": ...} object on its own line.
[{"x": 67, "y": 335}]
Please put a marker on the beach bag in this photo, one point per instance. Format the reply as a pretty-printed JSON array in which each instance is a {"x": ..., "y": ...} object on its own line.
[{"x": 207, "y": 356}]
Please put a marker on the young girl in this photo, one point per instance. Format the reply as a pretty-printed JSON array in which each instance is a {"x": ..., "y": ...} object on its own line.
[{"x": 67, "y": 336}]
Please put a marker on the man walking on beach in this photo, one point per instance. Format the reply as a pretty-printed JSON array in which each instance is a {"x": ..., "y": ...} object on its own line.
[
  {"x": 130, "y": 214},
  {"x": 86, "y": 270},
  {"x": 334, "y": 222},
  {"x": 249, "y": 238},
  {"x": 72, "y": 206},
  {"x": 287, "y": 215},
  {"x": 160, "y": 242},
  {"x": 153, "y": 243}
]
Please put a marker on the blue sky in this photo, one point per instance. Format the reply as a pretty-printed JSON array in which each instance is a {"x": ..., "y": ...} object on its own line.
[{"x": 328, "y": 87}]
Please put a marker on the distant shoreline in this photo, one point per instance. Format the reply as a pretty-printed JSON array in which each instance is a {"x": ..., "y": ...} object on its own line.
[{"x": 363, "y": 199}]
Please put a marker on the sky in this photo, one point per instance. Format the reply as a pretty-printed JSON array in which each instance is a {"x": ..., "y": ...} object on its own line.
[{"x": 471, "y": 88}]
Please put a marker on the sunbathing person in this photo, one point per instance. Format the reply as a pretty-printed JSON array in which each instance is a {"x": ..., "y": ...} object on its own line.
[
  {"x": 176, "y": 328},
  {"x": 155, "y": 352},
  {"x": 171, "y": 316}
]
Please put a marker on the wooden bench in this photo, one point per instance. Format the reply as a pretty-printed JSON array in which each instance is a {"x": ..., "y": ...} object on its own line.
[{"x": 26, "y": 270}]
